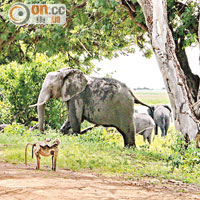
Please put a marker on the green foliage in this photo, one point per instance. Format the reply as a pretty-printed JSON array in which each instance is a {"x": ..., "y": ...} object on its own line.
[
  {"x": 184, "y": 157},
  {"x": 178, "y": 149},
  {"x": 20, "y": 86},
  {"x": 183, "y": 21},
  {"x": 16, "y": 129},
  {"x": 5, "y": 115},
  {"x": 95, "y": 30}
]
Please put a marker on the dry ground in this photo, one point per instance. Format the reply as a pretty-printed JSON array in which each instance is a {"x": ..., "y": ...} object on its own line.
[{"x": 20, "y": 182}]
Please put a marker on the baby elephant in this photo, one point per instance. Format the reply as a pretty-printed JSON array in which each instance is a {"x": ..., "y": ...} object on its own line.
[
  {"x": 161, "y": 115},
  {"x": 44, "y": 148},
  {"x": 144, "y": 124}
]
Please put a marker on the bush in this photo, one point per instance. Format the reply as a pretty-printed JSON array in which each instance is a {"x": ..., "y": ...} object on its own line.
[
  {"x": 16, "y": 129},
  {"x": 183, "y": 156}
]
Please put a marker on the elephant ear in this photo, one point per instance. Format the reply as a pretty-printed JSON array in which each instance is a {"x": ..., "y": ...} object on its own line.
[
  {"x": 73, "y": 84},
  {"x": 166, "y": 106}
]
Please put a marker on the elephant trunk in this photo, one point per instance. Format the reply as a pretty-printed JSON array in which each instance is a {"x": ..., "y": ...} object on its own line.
[
  {"x": 41, "y": 117},
  {"x": 42, "y": 99}
]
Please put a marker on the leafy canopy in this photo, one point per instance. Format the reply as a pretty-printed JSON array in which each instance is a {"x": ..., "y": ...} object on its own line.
[{"x": 94, "y": 29}]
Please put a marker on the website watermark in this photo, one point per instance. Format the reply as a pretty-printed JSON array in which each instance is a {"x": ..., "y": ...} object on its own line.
[{"x": 21, "y": 14}]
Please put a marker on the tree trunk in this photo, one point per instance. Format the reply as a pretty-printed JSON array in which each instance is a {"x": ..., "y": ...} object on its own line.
[
  {"x": 181, "y": 96},
  {"x": 192, "y": 79}
]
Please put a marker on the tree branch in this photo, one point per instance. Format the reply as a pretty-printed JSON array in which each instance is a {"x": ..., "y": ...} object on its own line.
[
  {"x": 132, "y": 13},
  {"x": 82, "y": 5},
  {"x": 84, "y": 47},
  {"x": 10, "y": 39}
]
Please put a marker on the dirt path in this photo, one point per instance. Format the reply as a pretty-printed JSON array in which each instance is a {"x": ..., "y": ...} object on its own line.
[{"x": 20, "y": 182}]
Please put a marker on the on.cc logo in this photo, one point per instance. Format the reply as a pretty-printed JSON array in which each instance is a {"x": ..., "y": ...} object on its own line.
[{"x": 19, "y": 14}]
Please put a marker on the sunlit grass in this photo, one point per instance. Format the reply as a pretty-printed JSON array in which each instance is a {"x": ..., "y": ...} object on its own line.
[
  {"x": 101, "y": 151},
  {"x": 153, "y": 97}
]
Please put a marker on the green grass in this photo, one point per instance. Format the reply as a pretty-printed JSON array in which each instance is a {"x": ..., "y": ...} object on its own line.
[
  {"x": 152, "y": 97},
  {"x": 103, "y": 152}
]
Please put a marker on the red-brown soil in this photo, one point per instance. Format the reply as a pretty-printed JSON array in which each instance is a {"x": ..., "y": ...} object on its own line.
[{"x": 21, "y": 182}]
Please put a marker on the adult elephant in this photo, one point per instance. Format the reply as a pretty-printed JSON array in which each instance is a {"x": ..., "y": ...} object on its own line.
[
  {"x": 101, "y": 101},
  {"x": 161, "y": 115}
]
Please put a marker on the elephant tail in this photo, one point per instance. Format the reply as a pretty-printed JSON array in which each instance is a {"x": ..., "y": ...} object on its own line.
[{"x": 138, "y": 101}]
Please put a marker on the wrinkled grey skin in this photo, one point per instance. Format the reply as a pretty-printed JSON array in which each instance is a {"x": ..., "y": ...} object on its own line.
[
  {"x": 161, "y": 115},
  {"x": 144, "y": 122},
  {"x": 101, "y": 101}
]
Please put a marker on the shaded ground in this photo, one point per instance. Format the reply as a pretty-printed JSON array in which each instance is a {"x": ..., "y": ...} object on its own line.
[{"x": 20, "y": 182}]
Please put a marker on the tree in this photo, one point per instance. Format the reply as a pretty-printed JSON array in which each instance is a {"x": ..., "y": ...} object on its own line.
[
  {"x": 105, "y": 28},
  {"x": 182, "y": 86}
]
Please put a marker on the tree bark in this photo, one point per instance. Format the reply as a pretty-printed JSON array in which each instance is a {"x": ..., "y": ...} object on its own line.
[
  {"x": 198, "y": 96},
  {"x": 181, "y": 96}
]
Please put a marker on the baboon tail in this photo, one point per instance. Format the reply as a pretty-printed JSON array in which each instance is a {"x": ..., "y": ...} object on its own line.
[
  {"x": 32, "y": 151},
  {"x": 26, "y": 152}
]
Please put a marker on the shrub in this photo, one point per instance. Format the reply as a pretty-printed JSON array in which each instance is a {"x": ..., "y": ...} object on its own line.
[
  {"x": 16, "y": 129},
  {"x": 186, "y": 158}
]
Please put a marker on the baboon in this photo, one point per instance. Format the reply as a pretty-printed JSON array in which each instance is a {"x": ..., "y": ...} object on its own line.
[{"x": 44, "y": 148}]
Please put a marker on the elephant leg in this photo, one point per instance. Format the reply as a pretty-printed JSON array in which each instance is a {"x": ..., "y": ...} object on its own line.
[
  {"x": 147, "y": 135},
  {"x": 162, "y": 131},
  {"x": 75, "y": 115},
  {"x": 166, "y": 129},
  {"x": 143, "y": 133},
  {"x": 65, "y": 127},
  {"x": 166, "y": 126},
  {"x": 156, "y": 129},
  {"x": 128, "y": 135},
  {"x": 144, "y": 138},
  {"x": 149, "y": 139}
]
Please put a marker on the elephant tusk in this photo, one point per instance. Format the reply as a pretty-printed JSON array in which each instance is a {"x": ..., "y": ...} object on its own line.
[
  {"x": 37, "y": 104},
  {"x": 145, "y": 129}
]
